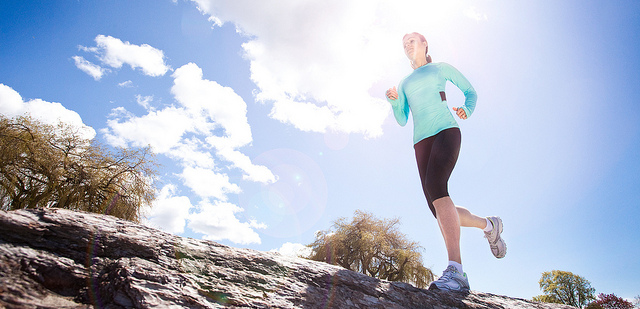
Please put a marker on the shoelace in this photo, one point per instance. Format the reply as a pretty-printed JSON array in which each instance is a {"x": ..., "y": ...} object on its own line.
[
  {"x": 448, "y": 273},
  {"x": 488, "y": 235}
]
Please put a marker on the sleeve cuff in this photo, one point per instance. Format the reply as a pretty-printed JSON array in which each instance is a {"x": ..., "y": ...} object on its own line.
[{"x": 466, "y": 111}]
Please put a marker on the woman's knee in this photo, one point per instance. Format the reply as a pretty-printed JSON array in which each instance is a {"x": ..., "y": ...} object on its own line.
[{"x": 437, "y": 189}]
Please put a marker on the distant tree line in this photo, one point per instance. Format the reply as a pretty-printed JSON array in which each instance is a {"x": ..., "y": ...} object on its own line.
[{"x": 54, "y": 166}]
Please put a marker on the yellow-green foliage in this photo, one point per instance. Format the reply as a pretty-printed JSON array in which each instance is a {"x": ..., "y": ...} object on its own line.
[
  {"x": 373, "y": 247},
  {"x": 53, "y": 166},
  {"x": 563, "y": 287}
]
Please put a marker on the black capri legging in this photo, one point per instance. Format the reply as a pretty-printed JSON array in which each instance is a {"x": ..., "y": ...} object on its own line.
[{"x": 437, "y": 156}]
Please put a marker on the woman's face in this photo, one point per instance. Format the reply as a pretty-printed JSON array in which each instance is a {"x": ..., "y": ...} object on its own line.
[{"x": 414, "y": 47}]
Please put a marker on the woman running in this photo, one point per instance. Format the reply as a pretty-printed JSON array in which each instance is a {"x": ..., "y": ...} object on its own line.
[{"x": 436, "y": 138}]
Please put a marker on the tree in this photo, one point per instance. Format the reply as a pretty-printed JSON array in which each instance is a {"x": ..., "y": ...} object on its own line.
[
  {"x": 373, "y": 247},
  {"x": 610, "y": 301},
  {"x": 563, "y": 287},
  {"x": 53, "y": 166}
]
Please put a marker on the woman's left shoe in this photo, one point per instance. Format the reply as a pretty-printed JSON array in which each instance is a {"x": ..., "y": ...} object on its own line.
[{"x": 451, "y": 280}]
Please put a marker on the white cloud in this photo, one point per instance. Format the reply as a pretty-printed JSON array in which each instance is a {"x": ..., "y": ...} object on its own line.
[
  {"x": 115, "y": 53},
  {"x": 12, "y": 104},
  {"x": 223, "y": 108},
  {"x": 257, "y": 173},
  {"x": 472, "y": 12},
  {"x": 310, "y": 64},
  {"x": 293, "y": 250},
  {"x": 169, "y": 212},
  {"x": 93, "y": 70},
  {"x": 219, "y": 104},
  {"x": 162, "y": 130},
  {"x": 311, "y": 117},
  {"x": 189, "y": 133},
  {"x": 207, "y": 183},
  {"x": 189, "y": 152},
  {"x": 126, "y": 84},
  {"x": 205, "y": 106},
  {"x": 218, "y": 221},
  {"x": 144, "y": 101},
  {"x": 207, "y": 118}
]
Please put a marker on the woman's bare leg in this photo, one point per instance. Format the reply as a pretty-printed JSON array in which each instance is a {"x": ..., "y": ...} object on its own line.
[
  {"x": 467, "y": 219},
  {"x": 450, "y": 219},
  {"x": 449, "y": 223}
]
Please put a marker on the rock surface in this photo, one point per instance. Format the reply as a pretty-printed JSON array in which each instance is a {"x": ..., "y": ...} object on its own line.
[{"x": 58, "y": 258}]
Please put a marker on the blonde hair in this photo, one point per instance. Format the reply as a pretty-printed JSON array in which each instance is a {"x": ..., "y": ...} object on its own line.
[{"x": 422, "y": 39}]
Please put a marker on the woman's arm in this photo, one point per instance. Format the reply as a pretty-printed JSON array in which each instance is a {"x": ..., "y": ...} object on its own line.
[
  {"x": 399, "y": 105},
  {"x": 471, "y": 97}
]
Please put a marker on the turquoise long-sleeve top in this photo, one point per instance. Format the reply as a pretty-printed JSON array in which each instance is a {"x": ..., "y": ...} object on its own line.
[{"x": 419, "y": 93}]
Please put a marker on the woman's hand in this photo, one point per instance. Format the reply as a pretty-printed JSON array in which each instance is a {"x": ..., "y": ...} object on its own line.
[
  {"x": 460, "y": 112},
  {"x": 392, "y": 93}
]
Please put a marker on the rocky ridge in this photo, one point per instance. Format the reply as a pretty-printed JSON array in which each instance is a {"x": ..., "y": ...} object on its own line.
[{"x": 57, "y": 258}]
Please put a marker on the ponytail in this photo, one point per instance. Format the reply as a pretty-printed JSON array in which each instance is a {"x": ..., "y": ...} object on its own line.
[{"x": 429, "y": 58}]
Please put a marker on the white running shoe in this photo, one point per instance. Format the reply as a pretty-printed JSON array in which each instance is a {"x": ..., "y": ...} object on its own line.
[
  {"x": 497, "y": 244},
  {"x": 451, "y": 280}
]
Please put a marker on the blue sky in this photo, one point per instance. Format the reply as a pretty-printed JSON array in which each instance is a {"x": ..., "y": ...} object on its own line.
[{"x": 270, "y": 122}]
